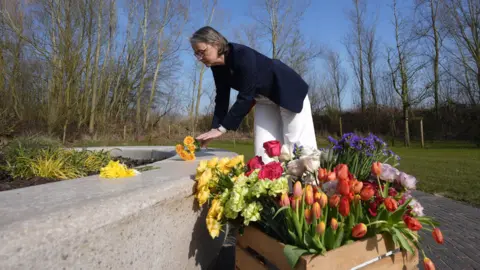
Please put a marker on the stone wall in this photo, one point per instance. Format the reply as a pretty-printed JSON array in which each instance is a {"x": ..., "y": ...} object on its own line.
[{"x": 150, "y": 221}]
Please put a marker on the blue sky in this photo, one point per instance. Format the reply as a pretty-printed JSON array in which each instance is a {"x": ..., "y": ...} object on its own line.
[{"x": 325, "y": 23}]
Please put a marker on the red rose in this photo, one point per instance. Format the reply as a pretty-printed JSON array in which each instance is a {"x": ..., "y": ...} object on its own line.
[
  {"x": 272, "y": 171},
  {"x": 272, "y": 148},
  {"x": 255, "y": 163}
]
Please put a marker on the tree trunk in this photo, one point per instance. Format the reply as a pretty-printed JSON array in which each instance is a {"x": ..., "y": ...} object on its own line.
[
  {"x": 138, "y": 115},
  {"x": 360, "y": 58},
  {"x": 91, "y": 127},
  {"x": 436, "y": 58},
  {"x": 406, "y": 122}
]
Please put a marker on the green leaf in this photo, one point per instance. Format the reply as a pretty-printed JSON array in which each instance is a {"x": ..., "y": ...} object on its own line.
[
  {"x": 293, "y": 253},
  {"x": 318, "y": 244},
  {"x": 280, "y": 210},
  {"x": 403, "y": 242},
  {"x": 385, "y": 189},
  {"x": 339, "y": 237},
  {"x": 329, "y": 238}
]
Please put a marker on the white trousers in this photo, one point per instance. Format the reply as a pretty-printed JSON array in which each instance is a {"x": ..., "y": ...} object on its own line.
[{"x": 275, "y": 123}]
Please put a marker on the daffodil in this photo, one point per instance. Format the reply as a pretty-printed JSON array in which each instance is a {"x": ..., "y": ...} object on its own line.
[
  {"x": 202, "y": 195},
  {"x": 212, "y": 163}
]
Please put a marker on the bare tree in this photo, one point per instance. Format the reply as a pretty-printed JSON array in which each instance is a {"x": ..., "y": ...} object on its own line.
[
  {"x": 354, "y": 46},
  {"x": 428, "y": 28},
  {"x": 371, "y": 59}
]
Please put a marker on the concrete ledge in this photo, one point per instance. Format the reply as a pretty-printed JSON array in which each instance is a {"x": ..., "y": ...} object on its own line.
[{"x": 150, "y": 221}]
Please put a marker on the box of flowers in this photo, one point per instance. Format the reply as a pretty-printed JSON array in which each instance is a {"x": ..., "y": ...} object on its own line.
[{"x": 344, "y": 207}]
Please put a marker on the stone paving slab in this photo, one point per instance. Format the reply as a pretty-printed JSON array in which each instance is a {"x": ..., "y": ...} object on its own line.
[{"x": 460, "y": 225}]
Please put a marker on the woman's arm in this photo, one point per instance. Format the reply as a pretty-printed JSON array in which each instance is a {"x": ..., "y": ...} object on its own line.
[
  {"x": 246, "y": 68},
  {"x": 222, "y": 97}
]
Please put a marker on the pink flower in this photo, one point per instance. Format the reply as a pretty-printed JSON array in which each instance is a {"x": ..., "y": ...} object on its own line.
[
  {"x": 417, "y": 208},
  {"x": 389, "y": 173},
  {"x": 407, "y": 181}
]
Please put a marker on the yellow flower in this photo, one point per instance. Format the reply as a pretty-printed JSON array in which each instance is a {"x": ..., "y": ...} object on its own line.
[
  {"x": 189, "y": 140},
  {"x": 183, "y": 155},
  {"x": 238, "y": 160},
  {"x": 202, "y": 195},
  {"x": 213, "y": 227},
  {"x": 190, "y": 156},
  {"x": 204, "y": 179},
  {"x": 222, "y": 165},
  {"x": 192, "y": 148},
  {"x": 179, "y": 148},
  {"x": 116, "y": 170},
  {"x": 216, "y": 210},
  {"x": 212, "y": 163},
  {"x": 202, "y": 166}
]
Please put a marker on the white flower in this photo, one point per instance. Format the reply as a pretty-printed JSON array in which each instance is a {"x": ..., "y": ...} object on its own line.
[
  {"x": 296, "y": 167},
  {"x": 286, "y": 153},
  {"x": 311, "y": 163},
  {"x": 330, "y": 187},
  {"x": 310, "y": 179},
  {"x": 389, "y": 173},
  {"x": 310, "y": 151},
  {"x": 407, "y": 181},
  {"x": 417, "y": 208}
]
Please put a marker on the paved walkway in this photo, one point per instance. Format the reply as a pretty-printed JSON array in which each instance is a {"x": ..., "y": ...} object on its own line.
[{"x": 460, "y": 225}]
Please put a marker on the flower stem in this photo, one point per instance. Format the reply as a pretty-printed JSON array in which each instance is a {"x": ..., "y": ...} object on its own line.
[{"x": 379, "y": 185}]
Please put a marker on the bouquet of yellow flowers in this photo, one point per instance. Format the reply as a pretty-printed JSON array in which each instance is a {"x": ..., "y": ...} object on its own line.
[{"x": 187, "y": 150}]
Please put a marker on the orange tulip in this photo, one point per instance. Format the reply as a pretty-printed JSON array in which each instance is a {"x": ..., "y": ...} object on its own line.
[
  {"x": 344, "y": 207},
  {"x": 297, "y": 190},
  {"x": 294, "y": 202},
  {"x": 323, "y": 200},
  {"x": 284, "y": 200},
  {"x": 367, "y": 192},
  {"x": 437, "y": 235},
  {"x": 428, "y": 264},
  {"x": 357, "y": 186},
  {"x": 342, "y": 171},
  {"x": 359, "y": 230},
  {"x": 322, "y": 174},
  {"x": 334, "y": 224},
  {"x": 308, "y": 216},
  {"x": 343, "y": 187},
  {"x": 309, "y": 195},
  {"x": 317, "y": 210},
  {"x": 376, "y": 168},
  {"x": 391, "y": 204},
  {"x": 334, "y": 200},
  {"x": 320, "y": 229}
]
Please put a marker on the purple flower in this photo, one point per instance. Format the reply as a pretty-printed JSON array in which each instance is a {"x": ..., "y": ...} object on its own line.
[{"x": 407, "y": 181}]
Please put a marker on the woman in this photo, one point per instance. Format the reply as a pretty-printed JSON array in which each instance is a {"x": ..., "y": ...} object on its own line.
[{"x": 282, "y": 109}]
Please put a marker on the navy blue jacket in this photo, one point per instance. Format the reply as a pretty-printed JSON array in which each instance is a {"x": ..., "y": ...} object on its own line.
[{"x": 252, "y": 73}]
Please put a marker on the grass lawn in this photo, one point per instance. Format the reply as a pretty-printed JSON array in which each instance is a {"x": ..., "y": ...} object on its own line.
[{"x": 451, "y": 170}]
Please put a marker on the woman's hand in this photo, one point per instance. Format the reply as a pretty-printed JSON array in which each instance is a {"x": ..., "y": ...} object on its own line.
[{"x": 205, "y": 138}]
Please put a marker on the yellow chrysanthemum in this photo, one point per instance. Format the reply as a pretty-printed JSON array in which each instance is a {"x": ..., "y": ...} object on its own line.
[
  {"x": 183, "y": 154},
  {"x": 189, "y": 140},
  {"x": 190, "y": 156},
  {"x": 213, "y": 227},
  {"x": 179, "y": 148},
  {"x": 192, "y": 148},
  {"x": 216, "y": 210}
]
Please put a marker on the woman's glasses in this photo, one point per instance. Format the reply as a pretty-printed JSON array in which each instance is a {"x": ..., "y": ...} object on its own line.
[{"x": 200, "y": 53}]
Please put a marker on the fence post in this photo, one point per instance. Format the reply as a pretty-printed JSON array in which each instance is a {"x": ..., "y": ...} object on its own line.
[{"x": 421, "y": 133}]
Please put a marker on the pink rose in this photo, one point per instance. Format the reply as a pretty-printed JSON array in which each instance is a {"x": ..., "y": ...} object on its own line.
[
  {"x": 272, "y": 148},
  {"x": 272, "y": 171}
]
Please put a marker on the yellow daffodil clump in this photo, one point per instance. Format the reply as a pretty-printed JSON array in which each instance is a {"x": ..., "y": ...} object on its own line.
[
  {"x": 186, "y": 151},
  {"x": 115, "y": 169}
]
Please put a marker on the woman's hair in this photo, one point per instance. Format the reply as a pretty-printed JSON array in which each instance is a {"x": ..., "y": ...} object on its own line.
[{"x": 211, "y": 36}]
